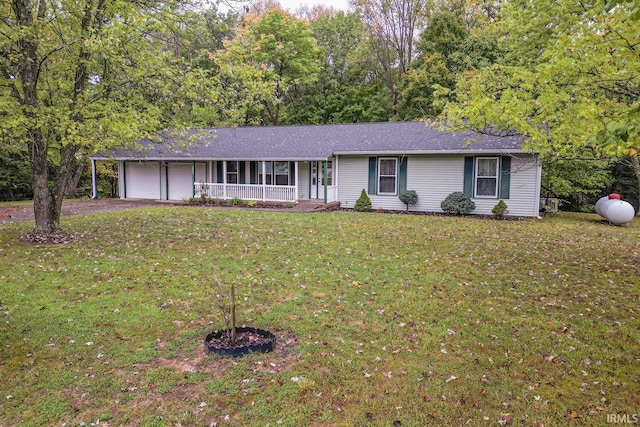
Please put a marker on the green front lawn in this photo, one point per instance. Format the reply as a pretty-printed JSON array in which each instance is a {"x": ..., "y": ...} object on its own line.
[{"x": 381, "y": 319}]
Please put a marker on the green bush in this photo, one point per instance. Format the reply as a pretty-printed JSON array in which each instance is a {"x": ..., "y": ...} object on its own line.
[
  {"x": 458, "y": 203},
  {"x": 363, "y": 203},
  {"x": 409, "y": 197},
  {"x": 236, "y": 202},
  {"x": 500, "y": 209}
]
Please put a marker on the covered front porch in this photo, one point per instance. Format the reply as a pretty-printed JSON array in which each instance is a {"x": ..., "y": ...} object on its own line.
[
  {"x": 265, "y": 193},
  {"x": 269, "y": 181},
  {"x": 259, "y": 180}
]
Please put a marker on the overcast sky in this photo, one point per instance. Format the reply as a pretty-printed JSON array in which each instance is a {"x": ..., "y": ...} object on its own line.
[{"x": 292, "y": 5}]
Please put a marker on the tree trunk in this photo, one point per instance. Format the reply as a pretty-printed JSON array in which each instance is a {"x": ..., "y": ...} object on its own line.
[
  {"x": 74, "y": 180},
  {"x": 47, "y": 221}
]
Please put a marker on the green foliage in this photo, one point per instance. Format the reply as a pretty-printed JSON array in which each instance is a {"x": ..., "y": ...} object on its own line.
[
  {"x": 15, "y": 170},
  {"x": 347, "y": 91},
  {"x": 575, "y": 182},
  {"x": 363, "y": 203},
  {"x": 500, "y": 209},
  {"x": 569, "y": 68},
  {"x": 408, "y": 197},
  {"x": 269, "y": 57},
  {"x": 457, "y": 203},
  {"x": 83, "y": 76},
  {"x": 444, "y": 35},
  {"x": 236, "y": 201},
  {"x": 446, "y": 49}
]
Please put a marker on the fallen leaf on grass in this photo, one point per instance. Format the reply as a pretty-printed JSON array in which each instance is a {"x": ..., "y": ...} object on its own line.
[{"x": 574, "y": 415}]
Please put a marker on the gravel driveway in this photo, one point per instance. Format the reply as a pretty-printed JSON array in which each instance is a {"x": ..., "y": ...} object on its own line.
[{"x": 79, "y": 207}]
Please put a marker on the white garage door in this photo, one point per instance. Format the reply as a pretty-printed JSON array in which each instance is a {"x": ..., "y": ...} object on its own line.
[
  {"x": 181, "y": 179},
  {"x": 143, "y": 180}
]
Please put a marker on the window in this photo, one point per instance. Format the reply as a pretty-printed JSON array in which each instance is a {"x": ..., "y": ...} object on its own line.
[
  {"x": 282, "y": 173},
  {"x": 268, "y": 168},
  {"x": 387, "y": 175},
  {"x": 486, "y": 177},
  {"x": 232, "y": 172}
]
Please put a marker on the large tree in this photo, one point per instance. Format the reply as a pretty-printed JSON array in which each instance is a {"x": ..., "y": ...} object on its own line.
[
  {"x": 346, "y": 90},
  {"x": 448, "y": 46},
  {"x": 270, "y": 55},
  {"x": 78, "y": 75},
  {"x": 392, "y": 27},
  {"x": 571, "y": 69}
]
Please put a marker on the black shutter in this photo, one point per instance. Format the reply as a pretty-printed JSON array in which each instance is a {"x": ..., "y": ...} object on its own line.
[
  {"x": 219, "y": 172},
  {"x": 241, "y": 172},
  {"x": 373, "y": 174},
  {"x": 402, "y": 178},
  {"x": 292, "y": 173},
  {"x": 505, "y": 177},
  {"x": 253, "y": 172}
]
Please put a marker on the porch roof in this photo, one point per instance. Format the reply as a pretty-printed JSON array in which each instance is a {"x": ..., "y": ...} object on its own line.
[{"x": 312, "y": 142}]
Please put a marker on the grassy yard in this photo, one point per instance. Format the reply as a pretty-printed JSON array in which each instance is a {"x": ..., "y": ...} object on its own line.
[{"x": 390, "y": 320}]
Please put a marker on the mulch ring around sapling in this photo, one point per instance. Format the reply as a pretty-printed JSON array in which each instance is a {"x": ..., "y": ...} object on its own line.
[{"x": 248, "y": 340}]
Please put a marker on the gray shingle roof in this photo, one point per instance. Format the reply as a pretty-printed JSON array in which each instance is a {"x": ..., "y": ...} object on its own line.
[{"x": 315, "y": 142}]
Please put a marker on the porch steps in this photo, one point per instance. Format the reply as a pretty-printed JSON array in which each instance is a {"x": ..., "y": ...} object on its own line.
[{"x": 315, "y": 206}]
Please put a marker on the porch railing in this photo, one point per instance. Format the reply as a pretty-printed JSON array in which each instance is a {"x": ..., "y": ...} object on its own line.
[{"x": 267, "y": 193}]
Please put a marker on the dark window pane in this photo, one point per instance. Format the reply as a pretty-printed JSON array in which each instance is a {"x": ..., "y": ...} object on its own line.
[
  {"x": 282, "y": 168},
  {"x": 486, "y": 187},
  {"x": 387, "y": 184}
]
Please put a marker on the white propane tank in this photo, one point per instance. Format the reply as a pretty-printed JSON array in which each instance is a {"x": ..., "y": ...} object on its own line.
[
  {"x": 614, "y": 210},
  {"x": 619, "y": 212},
  {"x": 600, "y": 203}
]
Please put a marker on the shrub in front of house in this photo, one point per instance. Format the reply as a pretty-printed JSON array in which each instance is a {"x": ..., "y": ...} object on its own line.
[
  {"x": 363, "y": 203},
  {"x": 408, "y": 197},
  {"x": 500, "y": 209},
  {"x": 458, "y": 203}
]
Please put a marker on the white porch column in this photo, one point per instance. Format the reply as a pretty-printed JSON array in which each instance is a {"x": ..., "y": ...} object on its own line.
[
  {"x": 264, "y": 181},
  {"x": 297, "y": 181},
  {"x": 224, "y": 179}
]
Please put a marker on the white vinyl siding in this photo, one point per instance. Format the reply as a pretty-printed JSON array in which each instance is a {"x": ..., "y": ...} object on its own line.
[{"x": 434, "y": 177}]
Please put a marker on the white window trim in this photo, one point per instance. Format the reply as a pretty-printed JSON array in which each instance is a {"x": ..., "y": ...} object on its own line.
[
  {"x": 476, "y": 177},
  {"x": 395, "y": 190}
]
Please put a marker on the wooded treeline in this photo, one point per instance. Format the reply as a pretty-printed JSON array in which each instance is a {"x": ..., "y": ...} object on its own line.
[{"x": 77, "y": 76}]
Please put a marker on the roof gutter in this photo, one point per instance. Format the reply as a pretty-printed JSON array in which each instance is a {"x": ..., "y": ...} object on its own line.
[
  {"x": 414, "y": 152},
  {"x": 207, "y": 159}
]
